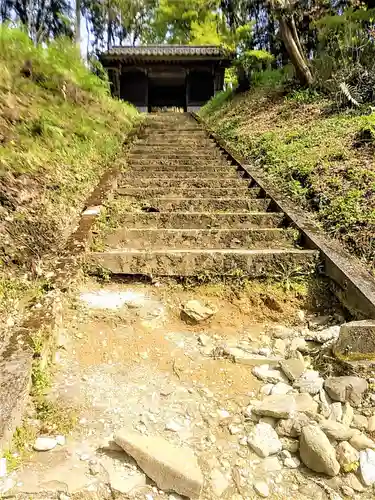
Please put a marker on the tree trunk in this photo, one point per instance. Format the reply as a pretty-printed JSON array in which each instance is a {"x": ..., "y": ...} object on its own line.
[
  {"x": 303, "y": 71},
  {"x": 78, "y": 23}
]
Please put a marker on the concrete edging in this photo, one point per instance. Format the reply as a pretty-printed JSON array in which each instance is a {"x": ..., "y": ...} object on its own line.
[{"x": 353, "y": 284}]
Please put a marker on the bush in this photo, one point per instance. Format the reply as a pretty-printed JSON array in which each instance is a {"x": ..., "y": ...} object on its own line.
[{"x": 57, "y": 64}]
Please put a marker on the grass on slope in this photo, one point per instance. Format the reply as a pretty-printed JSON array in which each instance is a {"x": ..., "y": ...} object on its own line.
[
  {"x": 59, "y": 132},
  {"x": 323, "y": 160}
]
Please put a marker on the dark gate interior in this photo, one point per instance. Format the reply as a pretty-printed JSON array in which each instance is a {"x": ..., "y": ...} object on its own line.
[{"x": 166, "y": 92}]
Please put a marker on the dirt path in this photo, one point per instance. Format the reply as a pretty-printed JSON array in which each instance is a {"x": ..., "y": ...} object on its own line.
[{"x": 130, "y": 362}]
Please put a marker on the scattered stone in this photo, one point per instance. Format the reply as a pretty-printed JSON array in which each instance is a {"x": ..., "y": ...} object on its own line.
[
  {"x": 280, "y": 389},
  {"x": 264, "y": 440},
  {"x": 195, "y": 312},
  {"x": 3, "y": 467},
  {"x": 282, "y": 332},
  {"x": 268, "y": 420},
  {"x": 285, "y": 454},
  {"x": 305, "y": 403},
  {"x": 292, "y": 463},
  {"x": 268, "y": 465},
  {"x": 291, "y": 445},
  {"x": 360, "y": 441},
  {"x": 301, "y": 316},
  {"x": 299, "y": 344},
  {"x": 279, "y": 346},
  {"x": 316, "y": 451},
  {"x": 268, "y": 375},
  {"x": 265, "y": 351},
  {"x": 323, "y": 336},
  {"x": 349, "y": 492},
  {"x": 6, "y": 484},
  {"x": 360, "y": 336},
  {"x": 347, "y": 457},
  {"x": 243, "y": 357},
  {"x": 204, "y": 340},
  {"x": 346, "y": 388},
  {"x": 367, "y": 466},
  {"x": 172, "y": 468},
  {"x": 360, "y": 422},
  {"x": 371, "y": 424},
  {"x": 309, "y": 382},
  {"x": 62, "y": 496},
  {"x": 267, "y": 389},
  {"x": 347, "y": 414},
  {"x": 172, "y": 426},
  {"x": 293, "y": 368},
  {"x": 292, "y": 427},
  {"x": 336, "y": 430},
  {"x": 44, "y": 444},
  {"x": 223, "y": 414},
  {"x": 219, "y": 482},
  {"x": 61, "y": 440},
  {"x": 261, "y": 488},
  {"x": 353, "y": 482},
  {"x": 119, "y": 478},
  {"x": 233, "y": 429},
  {"x": 276, "y": 406},
  {"x": 336, "y": 412}
]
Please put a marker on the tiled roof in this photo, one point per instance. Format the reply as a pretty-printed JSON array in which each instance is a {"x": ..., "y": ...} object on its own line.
[{"x": 144, "y": 51}]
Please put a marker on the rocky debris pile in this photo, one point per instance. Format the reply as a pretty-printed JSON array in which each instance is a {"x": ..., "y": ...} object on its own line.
[{"x": 300, "y": 417}]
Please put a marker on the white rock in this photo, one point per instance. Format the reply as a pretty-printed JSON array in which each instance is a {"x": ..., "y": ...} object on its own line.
[
  {"x": 293, "y": 368},
  {"x": 61, "y": 440},
  {"x": 223, "y": 414},
  {"x": 299, "y": 344},
  {"x": 268, "y": 375},
  {"x": 360, "y": 422},
  {"x": 316, "y": 451},
  {"x": 371, "y": 423},
  {"x": 367, "y": 466},
  {"x": 172, "y": 426},
  {"x": 276, "y": 406},
  {"x": 336, "y": 412},
  {"x": 195, "y": 311},
  {"x": 219, "y": 482},
  {"x": 282, "y": 332},
  {"x": 267, "y": 389},
  {"x": 347, "y": 414},
  {"x": 301, "y": 316},
  {"x": 309, "y": 382},
  {"x": 44, "y": 444},
  {"x": 292, "y": 463},
  {"x": 264, "y": 440},
  {"x": 6, "y": 484},
  {"x": 172, "y": 468},
  {"x": 265, "y": 351},
  {"x": 361, "y": 442},
  {"x": 281, "y": 389},
  {"x": 204, "y": 340},
  {"x": 3, "y": 467},
  {"x": 331, "y": 333},
  {"x": 233, "y": 429},
  {"x": 347, "y": 456},
  {"x": 261, "y": 488}
]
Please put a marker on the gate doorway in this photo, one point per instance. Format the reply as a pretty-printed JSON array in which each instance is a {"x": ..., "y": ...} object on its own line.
[{"x": 164, "y": 92}]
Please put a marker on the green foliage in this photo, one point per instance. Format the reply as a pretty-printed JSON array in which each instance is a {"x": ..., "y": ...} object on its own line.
[
  {"x": 271, "y": 79},
  {"x": 320, "y": 160},
  {"x": 217, "y": 101}
]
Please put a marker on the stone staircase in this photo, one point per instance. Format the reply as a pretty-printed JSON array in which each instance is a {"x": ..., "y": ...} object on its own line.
[{"x": 197, "y": 214}]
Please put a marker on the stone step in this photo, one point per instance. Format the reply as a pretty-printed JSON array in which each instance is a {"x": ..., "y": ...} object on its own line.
[
  {"x": 157, "y": 239},
  {"x": 142, "y": 161},
  {"x": 201, "y": 220},
  {"x": 193, "y": 182},
  {"x": 176, "y": 192},
  {"x": 208, "y": 171},
  {"x": 175, "y": 144},
  {"x": 184, "y": 154},
  {"x": 264, "y": 263},
  {"x": 206, "y": 204},
  {"x": 179, "y": 134},
  {"x": 183, "y": 172}
]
